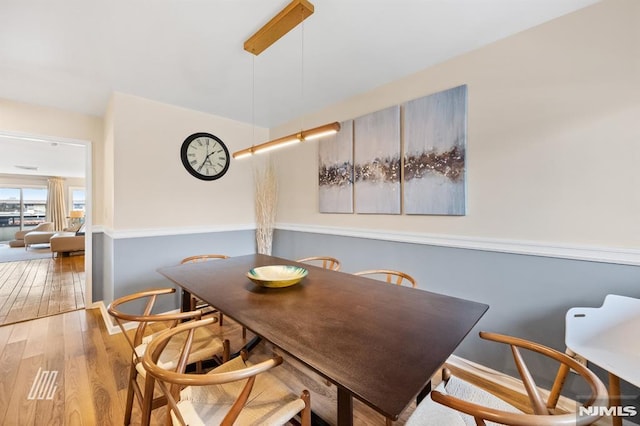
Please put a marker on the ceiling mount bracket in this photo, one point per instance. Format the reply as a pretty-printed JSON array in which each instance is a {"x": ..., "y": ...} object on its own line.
[{"x": 286, "y": 20}]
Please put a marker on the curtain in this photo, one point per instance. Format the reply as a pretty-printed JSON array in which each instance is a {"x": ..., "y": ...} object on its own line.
[{"x": 56, "y": 207}]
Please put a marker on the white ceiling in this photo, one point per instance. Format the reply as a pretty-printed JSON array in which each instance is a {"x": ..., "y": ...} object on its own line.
[
  {"x": 36, "y": 157},
  {"x": 73, "y": 54}
]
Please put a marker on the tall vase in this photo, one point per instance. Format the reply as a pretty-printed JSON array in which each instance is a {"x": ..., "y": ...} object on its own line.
[{"x": 266, "y": 200}]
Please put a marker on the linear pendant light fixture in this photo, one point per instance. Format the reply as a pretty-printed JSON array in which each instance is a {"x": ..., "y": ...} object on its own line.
[
  {"x": 286, "y": 20},
  {"x": 305, "y": 135}
]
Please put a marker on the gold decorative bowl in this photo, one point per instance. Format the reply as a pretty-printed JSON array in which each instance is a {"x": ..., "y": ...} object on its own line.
[{"x": 275, "y": 276}]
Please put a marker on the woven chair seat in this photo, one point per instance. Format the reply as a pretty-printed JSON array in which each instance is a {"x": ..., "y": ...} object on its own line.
[
  {"x": 208, "y": 346},
  {"x": 208, "y": 405},
  {"x": 430, "y": 413},
  {"x": 205, "y": 345},
  {"x": 479, "y": 397}
]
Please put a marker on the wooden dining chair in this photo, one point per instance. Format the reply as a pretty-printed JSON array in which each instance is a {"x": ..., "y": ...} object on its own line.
[
  {"x": 206, "y": 345},
  {"x": 390, "y": 276},
  {"x": 197, "y": 303},
  {"x": 487, "y": 396},
  {"x": 325, "y": 261},
  {"x": 235, "y": 392}
]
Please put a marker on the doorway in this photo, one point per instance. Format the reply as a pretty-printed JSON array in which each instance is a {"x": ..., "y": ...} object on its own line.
[{"x": 31, "y": 160}]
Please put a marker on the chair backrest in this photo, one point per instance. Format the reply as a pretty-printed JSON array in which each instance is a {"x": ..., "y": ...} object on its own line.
[
  {"x": 171, "y": 381},
  {"x": 143, "y": 319},
  {"x": 203, "y": 258},
  {"x": 540, "y": 410},
  {"x": 390, "y": 276},
  {"x": 44, "y": 227},
  {"x": 326, "y": 262}
]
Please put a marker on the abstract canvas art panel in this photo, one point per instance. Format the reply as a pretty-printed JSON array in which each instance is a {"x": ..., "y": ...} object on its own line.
[
  {"x": 377, "y": 162},
  {"x": 435, "y": 135},
  {"x": 335, "y": 171}
]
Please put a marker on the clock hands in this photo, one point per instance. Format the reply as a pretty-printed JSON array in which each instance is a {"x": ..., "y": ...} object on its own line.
[{"x": 206, "y": 159}]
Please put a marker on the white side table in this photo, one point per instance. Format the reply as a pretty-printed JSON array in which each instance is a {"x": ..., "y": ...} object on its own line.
[{"x": 608, "y": 337}]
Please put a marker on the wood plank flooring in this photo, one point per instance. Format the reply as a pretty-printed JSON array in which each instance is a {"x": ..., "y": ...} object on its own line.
[
  {"x": 92, "y": 366},
  {"x": 90, "y": 387},
  {"x": 73, "y": 346},
  {"x": 41, "y": 287}
]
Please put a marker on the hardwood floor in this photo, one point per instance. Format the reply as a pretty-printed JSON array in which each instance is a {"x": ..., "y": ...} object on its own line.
[
  {"x": 41, "y": 287},
  {"x": 85, "y": 357},
  {"x": 91, "y": 383},
  {"x": 88, "y": 371}
]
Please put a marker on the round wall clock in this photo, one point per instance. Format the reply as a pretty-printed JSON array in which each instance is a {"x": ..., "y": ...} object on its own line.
[{"x": 205, "y": 156}]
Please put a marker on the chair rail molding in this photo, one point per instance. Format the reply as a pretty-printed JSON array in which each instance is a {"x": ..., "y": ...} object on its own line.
[
  {"x": 118, "y": 234},
  {"x": 615, "y": 255}
]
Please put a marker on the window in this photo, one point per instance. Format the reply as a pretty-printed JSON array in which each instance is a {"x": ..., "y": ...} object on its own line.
[
  {"x": 76, "y": 199},
  {"x": 35, "y": 205},
  {"x": 21, "y": 208},
  {"x": 10, "y": 206}
]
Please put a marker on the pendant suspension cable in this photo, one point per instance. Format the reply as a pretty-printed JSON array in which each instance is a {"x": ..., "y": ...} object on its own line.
[
  {"x": 253, "y": 100},
  {"x": 302, "y": 72},
  {"x": 279, "y": 25}
]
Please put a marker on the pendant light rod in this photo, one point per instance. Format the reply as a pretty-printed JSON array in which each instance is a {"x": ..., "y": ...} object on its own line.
[
  {"x": 286, "y": 20},
  {"x": 302, "y": 136}
]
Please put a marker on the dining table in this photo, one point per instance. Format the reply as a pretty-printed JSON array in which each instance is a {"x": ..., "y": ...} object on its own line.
[{"x": 377, "y": 342}]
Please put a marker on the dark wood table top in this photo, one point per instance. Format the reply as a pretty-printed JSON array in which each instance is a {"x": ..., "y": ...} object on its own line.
[{"x": 379, "y": 342}]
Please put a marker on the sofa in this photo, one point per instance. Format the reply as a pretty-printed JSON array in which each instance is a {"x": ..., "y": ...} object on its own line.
[
  {"x": 43, "y": 228},
  {"x": 67, "y": 242},
  {"x": 37, "y": 237}
]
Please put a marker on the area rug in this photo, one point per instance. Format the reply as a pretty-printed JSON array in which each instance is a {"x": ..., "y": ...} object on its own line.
[{"x": 15, "y": 254}]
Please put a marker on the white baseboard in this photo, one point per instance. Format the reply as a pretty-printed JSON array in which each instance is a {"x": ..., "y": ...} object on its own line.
[{"x": 106, "y": 318}]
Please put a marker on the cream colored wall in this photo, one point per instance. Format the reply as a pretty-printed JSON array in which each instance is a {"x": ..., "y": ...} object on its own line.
[
  {"x": 553, "y": 136},
  {"x": 152, "y": 189},
  {"x": 23, "y": 118},
  {"x": 107, "y": 161}
]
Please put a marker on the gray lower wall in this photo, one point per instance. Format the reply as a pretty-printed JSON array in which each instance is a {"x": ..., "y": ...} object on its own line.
[
  {"x": 97, "y": 266},
  {"x": 528, "y": 295},
  {"x": 131, "y": 263}
]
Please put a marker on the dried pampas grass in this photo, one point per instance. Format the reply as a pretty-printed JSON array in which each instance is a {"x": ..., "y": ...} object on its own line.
[{"x": 266, "y": 200}]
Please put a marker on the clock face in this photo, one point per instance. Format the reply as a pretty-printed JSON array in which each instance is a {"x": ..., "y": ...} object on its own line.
[{"x": 205, "y": 156}]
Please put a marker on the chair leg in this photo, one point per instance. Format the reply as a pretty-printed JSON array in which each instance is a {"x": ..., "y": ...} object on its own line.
[
  {"x": 389, "y": 422},
  {"x": 130, "y": 394},
  {"x": 221, "y": 317},
  {"x": 226, "y": 350},
  {"x": 168, "y": 420},
  {"x": 147, "y": 400},
  {"x": 305, "y": 417}
]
